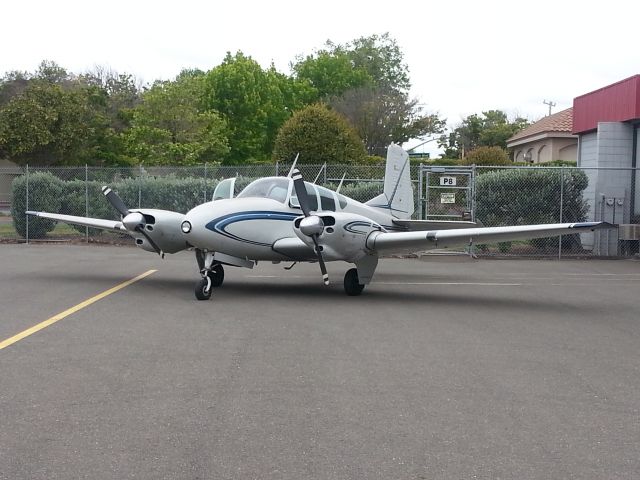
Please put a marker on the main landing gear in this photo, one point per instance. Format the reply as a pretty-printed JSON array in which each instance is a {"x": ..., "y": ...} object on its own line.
[
  {"x": 352, "y": 286},
  {"x": 212, "y": 275}
]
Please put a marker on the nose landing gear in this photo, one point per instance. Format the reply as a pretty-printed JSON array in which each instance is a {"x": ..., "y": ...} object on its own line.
[{"x": 212, "y": 275}]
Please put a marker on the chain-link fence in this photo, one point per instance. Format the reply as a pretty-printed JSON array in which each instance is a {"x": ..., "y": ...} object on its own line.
[{"x": 492, "y": 196}]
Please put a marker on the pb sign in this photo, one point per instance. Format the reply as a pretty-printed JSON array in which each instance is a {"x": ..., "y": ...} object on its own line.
[{"x": 447, "y": 181}]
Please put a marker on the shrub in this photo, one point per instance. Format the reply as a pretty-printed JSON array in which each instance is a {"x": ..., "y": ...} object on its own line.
[
  {"x": 45, "y": 191},
  {"x": 490, "y": 156},
  {"x": 531, "y": 196},
  {"x": 319, "y": 135}
]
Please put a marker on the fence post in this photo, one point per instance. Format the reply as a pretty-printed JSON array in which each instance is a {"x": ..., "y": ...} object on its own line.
[
  {"x": 277, "y": 168},
  {"x": 140, "y": 187},
  {"x": 27, "y": 206},
  {"x": 205, "y": 182},
  {"x": 86, "y": 199},
  {"x": 561, "y": 209}
]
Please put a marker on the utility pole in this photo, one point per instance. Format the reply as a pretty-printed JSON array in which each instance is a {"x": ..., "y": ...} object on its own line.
[{"x": 550, "y": 103}]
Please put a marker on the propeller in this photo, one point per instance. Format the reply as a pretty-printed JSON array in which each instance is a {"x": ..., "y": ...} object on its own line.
[
  {"x": 131, "y": 220},
  {"x": 310, "y": 225}
]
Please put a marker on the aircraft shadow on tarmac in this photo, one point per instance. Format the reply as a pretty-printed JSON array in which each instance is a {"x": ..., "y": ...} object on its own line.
[{"x": 308, "y": 288}]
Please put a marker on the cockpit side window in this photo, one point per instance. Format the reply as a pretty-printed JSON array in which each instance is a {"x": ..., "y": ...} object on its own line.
[
  {"x": 326, "y": 199},
  {"x": 342, "y": 201},
  {"x": 275, "y": 188}
]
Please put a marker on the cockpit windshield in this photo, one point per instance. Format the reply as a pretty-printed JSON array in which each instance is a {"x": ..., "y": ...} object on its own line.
[{"x": 275, "y": 188}]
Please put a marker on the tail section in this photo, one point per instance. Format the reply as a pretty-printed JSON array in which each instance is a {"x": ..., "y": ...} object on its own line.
[{"x": 397, "y": 199}]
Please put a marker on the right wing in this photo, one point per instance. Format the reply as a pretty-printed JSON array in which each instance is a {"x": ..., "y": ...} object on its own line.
[
  {"x": 84, "y": 221},
  {"x": 408, "y": 242}
]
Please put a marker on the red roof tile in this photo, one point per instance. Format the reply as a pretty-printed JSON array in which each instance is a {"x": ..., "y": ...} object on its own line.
[{"x": 558, "y": 122}]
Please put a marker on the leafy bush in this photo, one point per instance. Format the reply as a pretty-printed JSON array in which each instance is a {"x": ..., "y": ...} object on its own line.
[
  {"x": 319, "y": 135},
  {"x": 487, "y": 156},
  {"x": 531, "y": 196},
  {"x": 45, "y": 192}
]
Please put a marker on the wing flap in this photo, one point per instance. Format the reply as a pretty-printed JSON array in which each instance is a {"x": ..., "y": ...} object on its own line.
[
  {"x": 84, "y": 221},
  {"x": 424, "y": 225},
  {"x": 407, "y": 242}
]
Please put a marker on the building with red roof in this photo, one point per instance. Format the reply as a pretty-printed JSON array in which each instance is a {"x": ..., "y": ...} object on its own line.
[{"x": 550, "y": 138}]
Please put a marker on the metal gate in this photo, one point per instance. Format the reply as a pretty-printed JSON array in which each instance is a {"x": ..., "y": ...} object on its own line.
[{"x": 446, "y": 193}]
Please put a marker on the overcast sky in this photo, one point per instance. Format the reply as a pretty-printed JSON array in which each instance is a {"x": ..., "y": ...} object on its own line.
[{"x": 464, "y": 56}]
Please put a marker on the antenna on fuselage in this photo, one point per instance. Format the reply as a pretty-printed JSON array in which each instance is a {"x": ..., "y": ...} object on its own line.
[
  {"x": 341, "y": 180},
  {"x": 324, "y": 167},
  {"x": 295, "y": 160}
]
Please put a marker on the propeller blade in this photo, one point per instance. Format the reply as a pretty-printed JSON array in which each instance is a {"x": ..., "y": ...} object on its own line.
[
  {"x": 301, "y": 191},
  {"x": 140, "y": 229},
  {"x": 115, "y": 201},
  {"x": 323, "y": 268}
]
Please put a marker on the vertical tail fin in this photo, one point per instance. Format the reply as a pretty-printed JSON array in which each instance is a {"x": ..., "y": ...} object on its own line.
[{"x": 397, "y": 198}]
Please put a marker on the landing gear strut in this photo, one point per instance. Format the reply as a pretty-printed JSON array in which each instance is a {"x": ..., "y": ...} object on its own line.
[
  {"x": 212, "y": 275},
  {"x": 352, "y": 286}
]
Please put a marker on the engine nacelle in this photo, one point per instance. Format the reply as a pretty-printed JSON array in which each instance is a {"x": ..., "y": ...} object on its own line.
[
  {"x": 344, "y": 236},
  {"x": 163, "y": 227}
]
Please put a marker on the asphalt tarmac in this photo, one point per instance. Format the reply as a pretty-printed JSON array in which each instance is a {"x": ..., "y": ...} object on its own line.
[{"x": 445, "y": 368}]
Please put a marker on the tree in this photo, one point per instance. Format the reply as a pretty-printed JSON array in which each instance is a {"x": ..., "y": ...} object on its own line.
[
  {"x": 168, "y": 127},
  {"x": 490, "y": 129},
  {"x": 47, "y": 125},
  {"x": 382, "y": 115},
  {"x": 319, "y": 135},
  {"x": 253, "y": 102},
  {"x": 331, "y": 73},
  {"x": 367, "y": 81}
]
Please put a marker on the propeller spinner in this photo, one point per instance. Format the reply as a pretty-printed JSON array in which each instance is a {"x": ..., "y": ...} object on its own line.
[
  {"x": 132, "y": 221},
  {"x": 310, "y": 225}
]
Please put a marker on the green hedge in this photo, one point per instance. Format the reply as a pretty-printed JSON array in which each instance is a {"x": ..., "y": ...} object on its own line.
[
  {"x": 48, "y": 193},
  {"x": 532, "y": 196},
  {"x": 45, "y": 193}
]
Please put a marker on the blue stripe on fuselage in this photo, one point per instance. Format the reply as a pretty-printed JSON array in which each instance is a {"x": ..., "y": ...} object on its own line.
[{"x": 220, "y": 224}]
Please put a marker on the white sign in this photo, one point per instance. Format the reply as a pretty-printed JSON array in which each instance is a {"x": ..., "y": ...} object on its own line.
[
  {"x": 448, "y": 181},
  {"x": 447, "y": 198}
]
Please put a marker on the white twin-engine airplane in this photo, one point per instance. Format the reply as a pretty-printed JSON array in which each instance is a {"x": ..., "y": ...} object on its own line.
[{"x": 287, "y": 219}]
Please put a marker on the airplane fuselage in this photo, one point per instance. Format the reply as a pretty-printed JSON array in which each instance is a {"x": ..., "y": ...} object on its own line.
[{"x": 248, "y": 227}]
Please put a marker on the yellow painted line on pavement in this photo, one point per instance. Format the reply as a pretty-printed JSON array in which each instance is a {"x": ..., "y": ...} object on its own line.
[{"x": 66, "y": 313}]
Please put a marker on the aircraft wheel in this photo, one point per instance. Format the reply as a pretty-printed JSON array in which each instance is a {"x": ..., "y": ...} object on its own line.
[
  {"x": 203, "y": 289},
  {"x": 217, "y": 276},
  {"x": 352, "y": 285}
]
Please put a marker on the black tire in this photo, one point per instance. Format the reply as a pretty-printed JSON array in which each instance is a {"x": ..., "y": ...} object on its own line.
[
  {"x": 352, "y": 286},
  {"x": 201, "y": 290},
  {"x": 217, "y": 276}
]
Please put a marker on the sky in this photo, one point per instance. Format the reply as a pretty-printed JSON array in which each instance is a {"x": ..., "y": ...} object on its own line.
[{"x": 464, "y": 56}]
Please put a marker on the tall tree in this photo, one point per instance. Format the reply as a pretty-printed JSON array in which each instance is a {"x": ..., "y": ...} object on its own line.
[
  {"x": 254, "y": 103},
  {"x": 168, "y": 127},
  {"x": 367, "y": 81},
  {"x": 48, "y": 125}
]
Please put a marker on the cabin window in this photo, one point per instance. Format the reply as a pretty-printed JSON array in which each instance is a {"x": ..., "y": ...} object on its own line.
[
  {"x": 275, "y": 188},
  {"x": 326, "y": 199}
]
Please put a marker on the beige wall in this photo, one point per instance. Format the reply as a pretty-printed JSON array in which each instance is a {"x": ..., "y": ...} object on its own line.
[{"x": 547, "y": 150}]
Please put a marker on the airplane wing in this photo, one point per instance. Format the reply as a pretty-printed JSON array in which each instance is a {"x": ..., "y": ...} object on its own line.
[
  {"x": 85, "y": 221},
  {"x": 422, "y": 225},
  {"x": 408, "y": 242}
]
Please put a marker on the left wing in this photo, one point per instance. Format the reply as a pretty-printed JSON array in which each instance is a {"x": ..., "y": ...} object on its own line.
[
  {"x": 84, "y": 221},
  {"x": 407, "y": 242}
]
